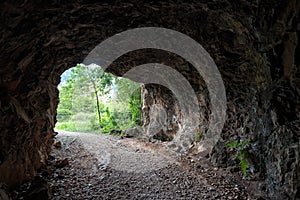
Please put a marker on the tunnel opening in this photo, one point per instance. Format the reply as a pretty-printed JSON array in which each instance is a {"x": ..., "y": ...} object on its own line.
[
  {"x": 247, "y": 40},
  {"x": 94, "y": 101}
]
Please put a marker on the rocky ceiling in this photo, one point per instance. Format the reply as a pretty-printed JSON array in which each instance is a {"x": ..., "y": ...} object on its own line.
[{"x": 254, "y": 44}]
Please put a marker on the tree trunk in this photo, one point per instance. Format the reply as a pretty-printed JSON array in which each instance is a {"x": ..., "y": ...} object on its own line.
[{"x": 98, "y": 103}]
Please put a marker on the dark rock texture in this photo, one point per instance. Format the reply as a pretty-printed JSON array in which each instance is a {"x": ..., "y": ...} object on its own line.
[{"x": 255, "y": 45}]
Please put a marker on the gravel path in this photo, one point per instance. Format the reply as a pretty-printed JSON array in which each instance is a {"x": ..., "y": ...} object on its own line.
[
  {"x": 126, "y": 155},
  {"x": 89, "y": 166},
  {"x": 108, "y": 167}
]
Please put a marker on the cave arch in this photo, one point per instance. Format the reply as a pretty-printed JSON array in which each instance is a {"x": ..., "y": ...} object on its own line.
[
  {"x": 169, "y": 40},
  {"x": 39, "y": 41}
]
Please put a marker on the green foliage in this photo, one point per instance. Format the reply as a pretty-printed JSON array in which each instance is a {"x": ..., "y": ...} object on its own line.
[
  {"x": 126, "y": 107},
  {"x": 94, "y": 81},
  {"x": 63, "y": 114},
  {"x": 85, "y": 105},
  {"x": 108, "y": 122},
  {"x": 64, "y": 110},
  {"x": 68, "y": 126},
  {"x": 198, "y": 136},
  {"x": 240, "y": 154},
  {"x": 135, "y": 106}
]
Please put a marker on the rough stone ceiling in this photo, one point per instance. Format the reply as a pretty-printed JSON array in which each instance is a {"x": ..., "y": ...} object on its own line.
[
  {"x": 65, "y": 33},
  {"x": 255, "y": 45}
]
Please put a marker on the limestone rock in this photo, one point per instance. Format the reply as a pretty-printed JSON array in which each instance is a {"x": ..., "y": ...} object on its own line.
[{"x": 135, "y": 132}]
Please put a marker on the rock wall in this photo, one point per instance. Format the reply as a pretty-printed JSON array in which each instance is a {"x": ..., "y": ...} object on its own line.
[
  {"x": 161, "y": 113},
  {"x": 254, "y": 44},
  {"x": 27, "y": 121}
]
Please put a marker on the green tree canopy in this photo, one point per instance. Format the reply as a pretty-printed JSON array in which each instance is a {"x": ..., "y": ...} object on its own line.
[{"x": 87, "y": 104}]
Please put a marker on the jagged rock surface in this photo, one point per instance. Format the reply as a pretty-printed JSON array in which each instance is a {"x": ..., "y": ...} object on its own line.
[{"x": 255, "y": 45}]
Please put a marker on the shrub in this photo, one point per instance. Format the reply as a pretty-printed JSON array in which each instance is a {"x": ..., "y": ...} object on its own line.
[{"x": 240, "y": 154}]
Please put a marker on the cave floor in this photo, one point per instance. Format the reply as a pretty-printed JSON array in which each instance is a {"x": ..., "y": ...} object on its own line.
[{"x": 90, "y": 166}]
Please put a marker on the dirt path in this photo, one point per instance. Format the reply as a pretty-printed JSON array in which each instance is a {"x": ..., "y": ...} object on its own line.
[
  {"x": 89, "y": 166},
  {"x": 126, "y": 155}
]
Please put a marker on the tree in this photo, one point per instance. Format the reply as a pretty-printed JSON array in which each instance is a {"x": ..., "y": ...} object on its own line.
[
  {"x": 92, "y": 79},
  {"x": 85, "y": 103},
  {"x": 129, "y": 94},
  {"x": 135, "y": 106},
  {"x": 66, "y": 94}
]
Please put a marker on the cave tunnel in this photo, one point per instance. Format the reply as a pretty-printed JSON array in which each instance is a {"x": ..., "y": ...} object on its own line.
[{"x": 255, "y": 45}]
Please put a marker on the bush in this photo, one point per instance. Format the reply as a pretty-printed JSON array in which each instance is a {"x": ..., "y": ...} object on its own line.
[
  {"x": 66, "y": 126},
  {"x": 64, "y": 114}
]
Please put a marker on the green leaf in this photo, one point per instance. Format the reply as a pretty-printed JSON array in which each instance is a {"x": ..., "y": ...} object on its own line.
[
  {"x": 244, "y": 166},
  {"x": 236, "y": 157},
  {"x": 233, "y": 144},
  {"x": 244, "y": 143}
]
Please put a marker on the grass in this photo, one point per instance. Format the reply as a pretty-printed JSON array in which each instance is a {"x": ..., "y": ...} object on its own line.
[{"x": 77, "y": 126}]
